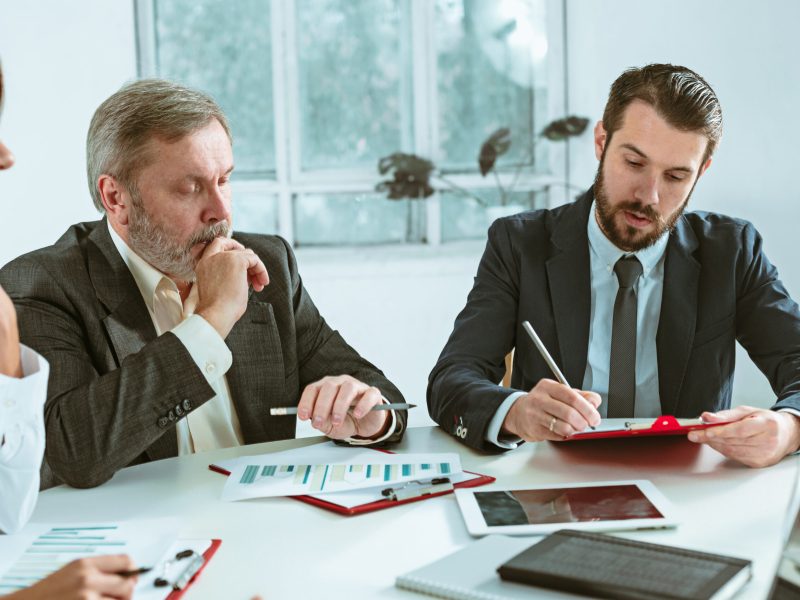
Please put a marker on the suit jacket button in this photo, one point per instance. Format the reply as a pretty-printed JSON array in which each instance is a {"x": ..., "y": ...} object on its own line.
[
  {"x": 171, "y": 416},
  {"x": 178, "y": 410},
  {"x": 163, "y": 422},
  {"x": 187, "y": 406}
]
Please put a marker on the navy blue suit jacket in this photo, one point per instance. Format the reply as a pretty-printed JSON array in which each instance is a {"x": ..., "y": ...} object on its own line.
[{"x": 719, "y": 287}]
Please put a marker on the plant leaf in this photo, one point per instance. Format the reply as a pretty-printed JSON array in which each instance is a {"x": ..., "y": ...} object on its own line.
[
  {"x": 411, "y": 176},
  {"x": 495, "y": 146},
  {"x": 561, "y": 129}
]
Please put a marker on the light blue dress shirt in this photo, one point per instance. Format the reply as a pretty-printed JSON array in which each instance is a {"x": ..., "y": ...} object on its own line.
[{"x": 603, "y": 255}]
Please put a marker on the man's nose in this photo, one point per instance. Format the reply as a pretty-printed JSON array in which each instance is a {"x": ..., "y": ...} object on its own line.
[{"x": 6, "y": 158}]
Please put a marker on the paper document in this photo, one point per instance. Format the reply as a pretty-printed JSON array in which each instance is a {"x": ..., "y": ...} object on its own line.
[
  {"x": 317, "y": 470},
  {"x": 41, "y": 549}
]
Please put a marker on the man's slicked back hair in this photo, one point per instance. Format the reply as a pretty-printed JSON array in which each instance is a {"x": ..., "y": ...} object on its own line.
[
  {"x": 123, "y": 125},
  {"x": 678, "y": 94}
]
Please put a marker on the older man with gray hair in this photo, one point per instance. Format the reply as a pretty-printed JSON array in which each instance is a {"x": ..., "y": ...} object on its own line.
[{"x": 165, "y": 333}]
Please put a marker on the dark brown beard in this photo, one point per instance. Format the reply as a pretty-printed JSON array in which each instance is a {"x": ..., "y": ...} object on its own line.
[{"x": 625, "y": 237}]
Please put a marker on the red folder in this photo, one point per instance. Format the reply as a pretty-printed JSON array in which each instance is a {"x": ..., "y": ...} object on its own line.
[
  {"x": 378, "y": 504},
  {"x": 663, "y": 425},
  {"x": 212, "y": 549}
]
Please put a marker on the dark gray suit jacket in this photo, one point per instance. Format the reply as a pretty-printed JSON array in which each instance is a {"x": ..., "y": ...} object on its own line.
[
  {"x": 116, "y": 390},
  {"x": 719, "y": 287}
]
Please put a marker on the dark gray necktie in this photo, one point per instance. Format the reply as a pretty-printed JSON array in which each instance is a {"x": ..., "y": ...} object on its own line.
[{"x": 622, "y": 373}]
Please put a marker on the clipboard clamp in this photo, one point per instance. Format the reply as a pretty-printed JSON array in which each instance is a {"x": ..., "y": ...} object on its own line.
[
  {"x": 185, "y": 575},
  {"x": 418, "y": 488}
]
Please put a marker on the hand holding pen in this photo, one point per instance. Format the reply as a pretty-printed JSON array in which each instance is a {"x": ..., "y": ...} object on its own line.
[{"x": 552, "y": 410}]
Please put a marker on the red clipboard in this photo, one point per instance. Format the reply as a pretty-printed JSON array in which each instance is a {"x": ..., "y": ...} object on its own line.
[
  {"x": 212, "y": 549},
  {"x": 378, "y": 504},
  {"x": 663, "y": 425}
]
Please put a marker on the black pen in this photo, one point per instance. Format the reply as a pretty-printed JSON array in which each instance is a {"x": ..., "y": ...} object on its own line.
[
  {"x": 546, "y": 356},
  {"x": 134, "y": 573}
]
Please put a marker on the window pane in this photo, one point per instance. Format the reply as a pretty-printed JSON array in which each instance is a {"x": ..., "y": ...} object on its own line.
[
  {"x": 491, "y": 58},
  {"x": 463, "y": 218},
  {"x": 354, "y": 81},
  {"x": 351, "y": 219},
  {"x": 255, "y": 212},
  {"x": 224, "y": 49}
]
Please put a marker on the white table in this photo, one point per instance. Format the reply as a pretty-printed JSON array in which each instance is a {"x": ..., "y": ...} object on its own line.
[{"x": 282, "y": 548}]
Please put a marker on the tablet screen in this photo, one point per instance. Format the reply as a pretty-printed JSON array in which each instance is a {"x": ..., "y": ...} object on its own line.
[{"x": 565, "y": 505}]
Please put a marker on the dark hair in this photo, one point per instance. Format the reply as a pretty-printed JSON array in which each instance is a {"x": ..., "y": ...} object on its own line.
[{"x": 678, "y": 94}]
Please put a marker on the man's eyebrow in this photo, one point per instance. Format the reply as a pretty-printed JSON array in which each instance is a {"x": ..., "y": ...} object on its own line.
[
  {"x": 636, "y": 150},
  {"x": 196, "y": 177}
]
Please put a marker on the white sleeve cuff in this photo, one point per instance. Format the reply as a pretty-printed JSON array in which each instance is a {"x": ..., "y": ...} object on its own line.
[
  {"x": 493, "y": 435},
  {"x": 206, "y": 347},
  {"x": 366, "y": 442},
  {"x": 22, "y": 401}
]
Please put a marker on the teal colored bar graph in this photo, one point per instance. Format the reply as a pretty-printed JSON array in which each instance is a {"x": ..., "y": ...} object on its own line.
[{"x": 249, "y": 475}]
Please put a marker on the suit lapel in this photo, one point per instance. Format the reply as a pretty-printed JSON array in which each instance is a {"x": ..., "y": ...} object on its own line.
[
  {"x": 569, "y": 282},
  {"x": 257, "y": 378},
  {"x": 127, "y": 322},
  {"x": 678, "y": 318}
]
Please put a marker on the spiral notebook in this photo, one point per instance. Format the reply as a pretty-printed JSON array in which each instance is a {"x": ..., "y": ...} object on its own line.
[{"x": 470, "y": 573}]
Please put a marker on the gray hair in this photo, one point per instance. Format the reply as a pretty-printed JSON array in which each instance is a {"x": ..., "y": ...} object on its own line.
[{"x": 123, "y": 125}]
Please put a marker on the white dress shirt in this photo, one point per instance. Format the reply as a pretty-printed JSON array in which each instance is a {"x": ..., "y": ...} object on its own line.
[
  {"x": 21, "y": 439},
  {"x": 215, "y": 424}
]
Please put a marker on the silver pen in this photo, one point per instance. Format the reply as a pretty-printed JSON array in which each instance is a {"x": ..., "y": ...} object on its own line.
[
  {"x": 545, "y": 355},
  {"x": 292, "y": 410}
]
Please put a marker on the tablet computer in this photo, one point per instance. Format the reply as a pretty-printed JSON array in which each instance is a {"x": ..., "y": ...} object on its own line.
[{"x": 592, "y": 506}]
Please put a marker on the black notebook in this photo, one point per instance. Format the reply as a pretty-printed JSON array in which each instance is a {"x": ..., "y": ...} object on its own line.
[{"x": 602, "y": 566}]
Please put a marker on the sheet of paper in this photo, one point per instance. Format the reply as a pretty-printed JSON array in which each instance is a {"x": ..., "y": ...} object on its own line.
[
  {"x": 42, "y": 548},
  {"x": 271, "y": 476}
]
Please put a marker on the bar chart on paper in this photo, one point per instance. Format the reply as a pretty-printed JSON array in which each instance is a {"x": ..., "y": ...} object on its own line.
[
  {"x": 53, "y": 546},
  {"x": 259, "y": 479}
]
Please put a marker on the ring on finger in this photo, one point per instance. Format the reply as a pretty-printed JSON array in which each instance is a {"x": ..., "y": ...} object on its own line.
[{"x": 552, "y": 424}]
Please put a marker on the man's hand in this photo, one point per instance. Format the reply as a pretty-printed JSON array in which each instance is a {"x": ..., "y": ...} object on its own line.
[
  {"x": 327, "y": 403},
  {"x": 9, "y": 338},
  {"x": 552, "y": 411},
  {"x": 224, "y": 272},
  {"x": 756, "y": 437},
  {"x": 84, "y": 579}
]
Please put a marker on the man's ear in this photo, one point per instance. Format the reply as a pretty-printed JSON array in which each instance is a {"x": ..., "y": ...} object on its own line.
[
  {"x": 600, "y": 138},
  {"x": 705, "y": 166},
  {"x": 116, "y": 199}
]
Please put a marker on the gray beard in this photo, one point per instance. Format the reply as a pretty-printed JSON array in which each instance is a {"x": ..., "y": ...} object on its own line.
[{"x": 154, "y": 243}]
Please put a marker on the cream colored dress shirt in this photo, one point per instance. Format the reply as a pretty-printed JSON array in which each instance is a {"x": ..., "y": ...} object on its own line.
[{"x": 21, "y": 439}]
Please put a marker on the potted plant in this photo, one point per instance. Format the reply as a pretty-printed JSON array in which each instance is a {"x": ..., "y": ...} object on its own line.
[{"x": 414, "y": 177}]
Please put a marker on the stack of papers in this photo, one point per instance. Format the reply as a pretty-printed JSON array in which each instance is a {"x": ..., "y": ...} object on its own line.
[{"x": 327, "y": 469}]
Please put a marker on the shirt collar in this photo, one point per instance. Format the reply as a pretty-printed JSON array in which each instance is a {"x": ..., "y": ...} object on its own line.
[
  {"x": 607, "y": 252},
  {"x": 147, "y": 277}
]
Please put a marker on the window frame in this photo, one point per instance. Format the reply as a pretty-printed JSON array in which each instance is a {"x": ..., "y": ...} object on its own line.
[{"x": 289, "y": 180}]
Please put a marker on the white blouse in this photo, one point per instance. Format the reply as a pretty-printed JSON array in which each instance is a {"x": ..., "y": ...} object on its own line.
[{"x": 21, "y": 439}]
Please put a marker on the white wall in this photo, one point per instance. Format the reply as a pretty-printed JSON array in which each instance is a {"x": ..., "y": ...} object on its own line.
[{"x": 60, "y": 63}]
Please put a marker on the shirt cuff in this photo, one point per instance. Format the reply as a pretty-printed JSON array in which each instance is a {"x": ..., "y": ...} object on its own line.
[
  {"x": 796, "y": 413},
  {"x": 22, "y": 399},
  {"x": 22, "y": 410},
  {"x": 368, "y": 441},
  {"x": 493, "y": 435},
  {"x": 206, "y": 347}
]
